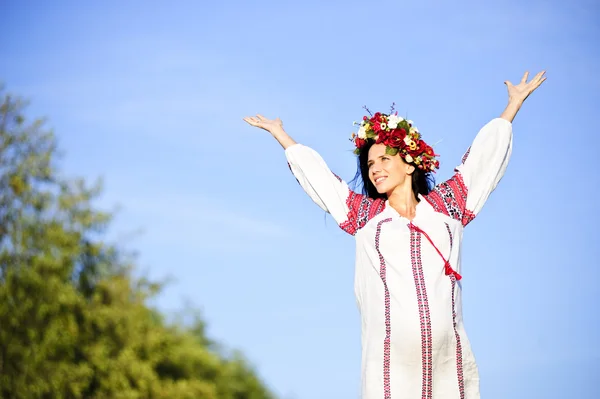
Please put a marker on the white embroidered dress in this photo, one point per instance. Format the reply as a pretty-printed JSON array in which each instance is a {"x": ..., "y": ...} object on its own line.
[{"x": 414, "y": 343}]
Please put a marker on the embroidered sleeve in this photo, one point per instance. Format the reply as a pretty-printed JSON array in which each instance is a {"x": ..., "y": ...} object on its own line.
[
  {"x": 350, "y": 210},
  {"x": 462, "y": 197}
]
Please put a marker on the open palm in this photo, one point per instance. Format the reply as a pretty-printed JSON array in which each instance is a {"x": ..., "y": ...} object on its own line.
[
  {"x": 270, "y": 125},
  {"x": 521, "y": 91}
]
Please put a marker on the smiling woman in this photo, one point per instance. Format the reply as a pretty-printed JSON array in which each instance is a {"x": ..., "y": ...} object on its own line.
[{"x": 408, "y": 237}]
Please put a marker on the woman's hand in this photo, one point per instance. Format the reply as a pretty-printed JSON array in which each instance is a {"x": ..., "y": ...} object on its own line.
[
  {"x": 273, "y": 126},
  {"x": 270, "y": 125},
  {"x": 520, "y": 92}
]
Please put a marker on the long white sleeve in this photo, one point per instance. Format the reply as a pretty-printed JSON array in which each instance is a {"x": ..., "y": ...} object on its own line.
[
  {"x": 486, "y": 161},
  {"x": 350, "y": 210},
  {"x": 322, "y": 186},
  {"x": 462, "y": 197}
]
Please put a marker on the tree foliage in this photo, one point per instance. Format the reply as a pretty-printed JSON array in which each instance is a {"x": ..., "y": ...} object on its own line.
[{"x": 74, "y": 321}]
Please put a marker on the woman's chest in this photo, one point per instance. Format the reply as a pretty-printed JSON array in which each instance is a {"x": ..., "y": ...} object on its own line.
[{"x": 391, "y": 236}]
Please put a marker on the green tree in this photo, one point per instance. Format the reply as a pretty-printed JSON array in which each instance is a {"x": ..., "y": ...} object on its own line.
[{"x": 74, "y": 321}]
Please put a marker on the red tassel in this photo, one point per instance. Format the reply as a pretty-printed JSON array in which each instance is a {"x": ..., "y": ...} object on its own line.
[{"x": 448, "y": 270}]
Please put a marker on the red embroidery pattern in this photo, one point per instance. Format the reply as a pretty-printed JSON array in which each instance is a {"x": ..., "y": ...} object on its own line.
[
  {"x": 362, "y": 209},
  {"x": 449, "y": 233},
  {"x": 450, "y": 198},
  {"x": 388, "y": 327},
  {"x": 459, "y": 364},
  {"x": 466, "y": 155},
  {"x": 426, "y": 347},
  {"x": 447, "y": 267}
]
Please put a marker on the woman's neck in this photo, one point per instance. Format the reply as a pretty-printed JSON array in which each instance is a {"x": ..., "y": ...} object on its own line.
[{"x": 404, "y": 201}]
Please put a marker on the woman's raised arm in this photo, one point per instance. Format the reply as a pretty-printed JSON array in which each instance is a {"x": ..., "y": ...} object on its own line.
[{"x": 349, "y": 209}]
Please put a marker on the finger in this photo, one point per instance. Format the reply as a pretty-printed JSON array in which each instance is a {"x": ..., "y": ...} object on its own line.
[
  {"x": 539, "y": 75},
  {"x": 533, "y": 85},
  {"x": 261, "y": 118},
  {"x": 252, "y": 121},
  {"x": 538, "y": 79},
  {"x": 525, "y": 76},
  {"x": 540, "y": 82},
  {"x": 508, "y": 83}
]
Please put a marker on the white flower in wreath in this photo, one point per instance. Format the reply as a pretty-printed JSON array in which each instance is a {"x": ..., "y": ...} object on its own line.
[
  {"x": 362, "y": 132},
  {"x": 383, "y": 126},
  {"x": 408, "y": 158},
  {"x": 394, "y": 120},
  {"x": 407, "y": 140},
  {"x": 413, "y": 130}
]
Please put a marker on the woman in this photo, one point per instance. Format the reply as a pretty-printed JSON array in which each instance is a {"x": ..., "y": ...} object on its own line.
[{"x": 408, "y": 239}]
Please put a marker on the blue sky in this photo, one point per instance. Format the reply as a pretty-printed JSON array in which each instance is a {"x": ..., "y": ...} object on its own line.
[{"x": 150, "y": 97}]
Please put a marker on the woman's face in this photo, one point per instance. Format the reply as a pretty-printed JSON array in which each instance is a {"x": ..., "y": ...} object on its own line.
[{"x": 387, "y": 172}]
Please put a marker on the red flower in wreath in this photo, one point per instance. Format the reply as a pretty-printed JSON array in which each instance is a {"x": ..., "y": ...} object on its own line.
[
  {"x": 399, "y": 134},
  {"x": 359, "y": 142}
]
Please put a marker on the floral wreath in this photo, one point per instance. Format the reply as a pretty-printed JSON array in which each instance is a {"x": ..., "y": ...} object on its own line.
[{"x": 399, "y": 135}]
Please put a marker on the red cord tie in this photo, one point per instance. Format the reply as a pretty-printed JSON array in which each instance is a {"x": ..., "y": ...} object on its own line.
[{"x": 447, "y": 268}]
